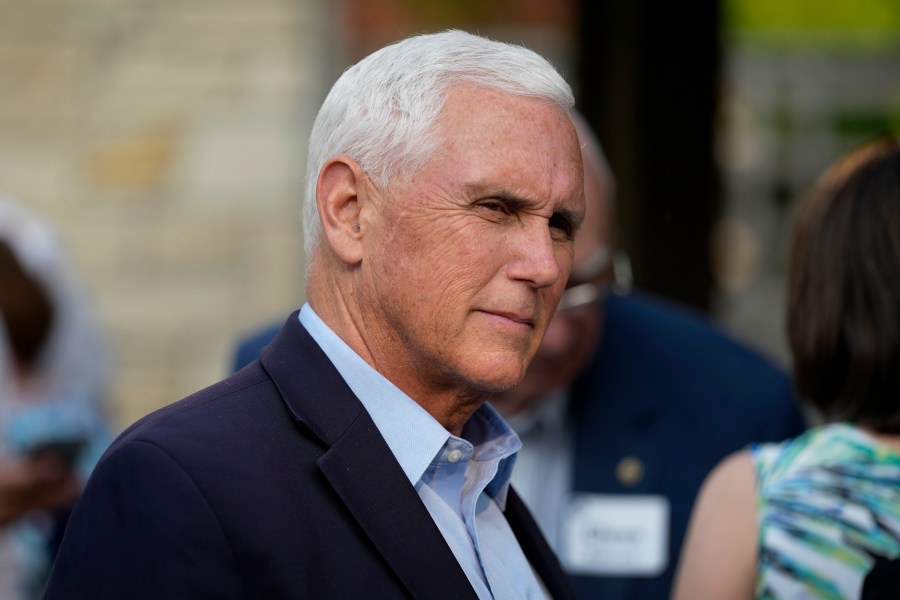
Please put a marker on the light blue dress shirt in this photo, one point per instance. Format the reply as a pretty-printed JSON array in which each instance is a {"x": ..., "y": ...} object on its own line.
[{"x": 463, "y": 482}]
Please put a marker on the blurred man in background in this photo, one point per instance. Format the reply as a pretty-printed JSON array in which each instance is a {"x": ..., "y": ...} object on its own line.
[{"x": 628, "y": 404}]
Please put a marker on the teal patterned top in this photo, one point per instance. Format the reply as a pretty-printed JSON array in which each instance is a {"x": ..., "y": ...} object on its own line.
[{"x": 829, "y": 501}]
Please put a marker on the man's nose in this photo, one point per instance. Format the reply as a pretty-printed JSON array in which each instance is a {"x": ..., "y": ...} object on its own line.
[{"x": 536, "y": 259}]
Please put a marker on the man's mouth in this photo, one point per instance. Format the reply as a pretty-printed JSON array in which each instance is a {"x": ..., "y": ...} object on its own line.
[{"x": 521, "y": 318}]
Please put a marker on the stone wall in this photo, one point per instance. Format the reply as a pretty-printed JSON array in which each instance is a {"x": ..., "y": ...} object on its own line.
[{"x": 167, "y": 141}]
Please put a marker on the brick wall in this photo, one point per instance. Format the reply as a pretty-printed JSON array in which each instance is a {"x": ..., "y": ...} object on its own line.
[{"x": 166, "y": 140}]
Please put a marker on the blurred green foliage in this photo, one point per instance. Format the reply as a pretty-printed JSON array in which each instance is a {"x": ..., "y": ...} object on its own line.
[
  {"x": 873, "y": 15},
  {"x": 855, "y": 126},
  {"x": 856, "y": 25}
]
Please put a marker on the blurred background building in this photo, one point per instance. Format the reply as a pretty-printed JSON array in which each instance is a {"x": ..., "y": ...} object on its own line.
[{"x": 167, "y": 142}]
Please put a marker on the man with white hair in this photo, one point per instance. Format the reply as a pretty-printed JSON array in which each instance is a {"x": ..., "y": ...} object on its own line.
[{"x": 357, "y": 457}]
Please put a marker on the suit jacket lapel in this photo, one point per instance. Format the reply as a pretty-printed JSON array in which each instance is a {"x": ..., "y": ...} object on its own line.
[
  {"x": 361, "y": 468},
  {"x": 358, "y": 465}
]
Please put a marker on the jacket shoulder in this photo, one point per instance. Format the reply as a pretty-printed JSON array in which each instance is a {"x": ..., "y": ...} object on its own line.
[{"x": 677, "y": 337}]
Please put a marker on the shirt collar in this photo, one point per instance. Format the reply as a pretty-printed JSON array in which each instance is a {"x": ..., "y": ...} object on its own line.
[
  {"x": 494, "y": 439},
  {"x": 414, "y": 436}
]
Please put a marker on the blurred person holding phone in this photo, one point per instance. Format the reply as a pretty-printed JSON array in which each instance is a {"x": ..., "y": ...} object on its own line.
[{"x": 52, "y": 376}]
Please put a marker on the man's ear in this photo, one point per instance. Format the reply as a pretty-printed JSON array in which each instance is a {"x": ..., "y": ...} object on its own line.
[{"x": 340, "y": 192}]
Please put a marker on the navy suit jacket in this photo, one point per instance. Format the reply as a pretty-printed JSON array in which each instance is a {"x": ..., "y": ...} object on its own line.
[
  {"x": 274, "y": 483},
  {"x": 667, "y": 388}
]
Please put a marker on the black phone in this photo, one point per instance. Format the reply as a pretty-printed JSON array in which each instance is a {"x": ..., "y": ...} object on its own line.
[{"x": 65, "y": 451}]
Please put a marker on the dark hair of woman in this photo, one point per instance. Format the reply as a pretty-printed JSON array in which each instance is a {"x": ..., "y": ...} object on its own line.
[
  {"x": 843, "y": 311},
  {"x": 25, "y": 308}
]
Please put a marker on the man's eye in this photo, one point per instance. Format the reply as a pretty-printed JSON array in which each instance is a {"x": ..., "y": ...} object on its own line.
[
  {"x": 563, "y": 225},
  {"x": 495, "y": 206}
]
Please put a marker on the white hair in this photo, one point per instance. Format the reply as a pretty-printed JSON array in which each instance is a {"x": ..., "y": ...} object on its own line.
[{"x": 381, "y": 111}]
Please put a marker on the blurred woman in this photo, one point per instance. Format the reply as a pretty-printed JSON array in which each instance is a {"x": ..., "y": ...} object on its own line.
[
  {"x": 808, "y": 518},
  {"x": 52, "y": 380}
]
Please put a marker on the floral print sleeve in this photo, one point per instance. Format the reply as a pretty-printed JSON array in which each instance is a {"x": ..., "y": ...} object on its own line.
[{"x": 829, "y": 503}]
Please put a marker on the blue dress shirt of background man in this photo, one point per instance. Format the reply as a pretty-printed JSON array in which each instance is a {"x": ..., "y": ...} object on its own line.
[{"x": 357, "y": 458}]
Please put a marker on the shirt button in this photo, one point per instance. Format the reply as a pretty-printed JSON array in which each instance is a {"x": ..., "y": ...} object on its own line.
[{"x": 454, "y": 456}]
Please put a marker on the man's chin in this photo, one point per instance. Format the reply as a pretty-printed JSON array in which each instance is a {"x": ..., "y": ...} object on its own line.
[
  {"x": 499, "y": 385},
  {"x": 496, "y": 373}
]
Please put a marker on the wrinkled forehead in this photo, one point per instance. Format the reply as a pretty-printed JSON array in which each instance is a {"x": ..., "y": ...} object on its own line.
[
  {"x": 482, "y": 109},
  {"x": 522, "y": 133}
]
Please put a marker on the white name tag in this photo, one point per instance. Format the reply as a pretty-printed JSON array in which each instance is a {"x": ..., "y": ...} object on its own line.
[{"x": 615, "y": 535}]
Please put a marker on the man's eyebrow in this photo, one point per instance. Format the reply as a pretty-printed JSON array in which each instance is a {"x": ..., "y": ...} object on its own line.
[
  {"x": 519, "y": 203},
  {"x": 570, "y": 218}
]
